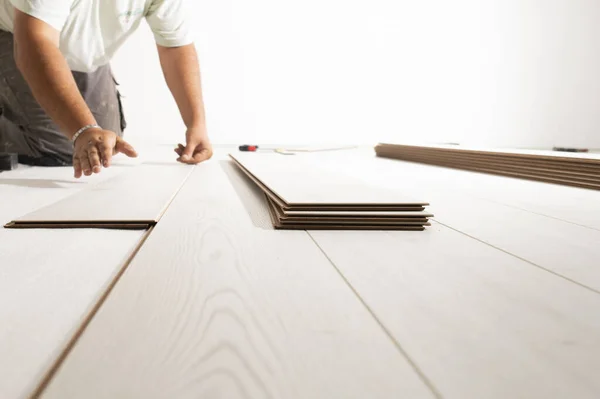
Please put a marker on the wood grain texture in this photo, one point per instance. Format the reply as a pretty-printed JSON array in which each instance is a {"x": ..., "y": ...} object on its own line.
[
  {"x": 479, "y": 322},
  {"x": 140, "y": 194},
  {"x": 486, "y": 208},
  {"x": 213, "y": 306},
  {"x": 49, "y": 280},
  {"x": 298, "y": 182}
]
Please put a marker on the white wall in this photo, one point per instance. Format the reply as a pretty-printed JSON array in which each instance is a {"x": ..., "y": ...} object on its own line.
[{"x": 493, "y": 72}]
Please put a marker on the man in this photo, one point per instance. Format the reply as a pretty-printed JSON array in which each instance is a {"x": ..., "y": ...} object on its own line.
[{"x": 59, "y": 103}]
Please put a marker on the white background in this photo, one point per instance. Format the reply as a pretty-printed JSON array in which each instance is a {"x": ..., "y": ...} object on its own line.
[{"x": 518, "y": 73}]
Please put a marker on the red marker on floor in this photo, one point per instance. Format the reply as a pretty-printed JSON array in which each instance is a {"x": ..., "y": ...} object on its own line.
[{"x": 248, "y": 148}]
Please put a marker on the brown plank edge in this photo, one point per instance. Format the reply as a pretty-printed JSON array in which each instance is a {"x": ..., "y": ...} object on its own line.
[
  {"x": 431, "y": 159},
  {"x": 458, "y": 163},
  {"x": 81, "y": 225},
  {"x": 551, "y": 170},
  {"x": 565, "y": 167},
  {"x": 305, "y": 226},
  {"x": 284, "y": 220},
  {"x": 536, "y": 157}
]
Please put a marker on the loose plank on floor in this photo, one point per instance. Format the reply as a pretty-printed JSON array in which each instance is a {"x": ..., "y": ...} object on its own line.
[
  {"x": 477, "y": 321},
  {"x": 214, "y": 306},
  {"x": 140, "y": 194},
  {"x": 49, "y": 280}
]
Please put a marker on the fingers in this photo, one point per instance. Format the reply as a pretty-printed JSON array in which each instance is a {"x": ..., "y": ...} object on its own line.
[
  {"x": 94, "y": 158},
  {"x": 179, "y": 149},
  {"x": 106, "y": 152},
  {"x": 76, "y": 167},
  {"x": 202, "y": 155},
  {"x": 94, "y": 149},
  {"x": 85, "y": 164},
  {"x": 125, "y": 148},
  {"x": 188, "y": 152}
]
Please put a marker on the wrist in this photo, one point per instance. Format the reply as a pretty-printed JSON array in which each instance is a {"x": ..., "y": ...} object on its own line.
[
  {"x": 196, "y": 127},
  {"x": 74, "y": 125},
  {"x": 196, "y": 121},
  {"x": 83, "y": 130}
]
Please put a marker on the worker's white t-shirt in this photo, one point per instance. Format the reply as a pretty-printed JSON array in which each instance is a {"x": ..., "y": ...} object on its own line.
[{"x": 93, "y": 30}]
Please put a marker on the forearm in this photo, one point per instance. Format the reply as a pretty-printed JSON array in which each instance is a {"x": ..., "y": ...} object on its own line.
[
  {"x": 51, "y": 81},
  {"x": 182, "y": 73}
]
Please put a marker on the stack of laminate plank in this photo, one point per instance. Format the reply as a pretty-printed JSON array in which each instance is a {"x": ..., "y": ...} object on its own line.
[
  {"x": 571, "y": 169},
  {"x": 300, "y": 195}
]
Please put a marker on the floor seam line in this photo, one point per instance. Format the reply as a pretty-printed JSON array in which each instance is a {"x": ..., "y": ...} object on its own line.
[
  {"x": 399, "y": 347},
  {"x": 522, "y": 259},
  {"x": 55, "y": 367},
  {"x": 168, "y": 205},
  {"x": 537, "y": 213}
]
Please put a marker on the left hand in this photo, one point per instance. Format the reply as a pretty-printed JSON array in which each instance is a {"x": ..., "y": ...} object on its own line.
[{"x": 197, "y": 148}]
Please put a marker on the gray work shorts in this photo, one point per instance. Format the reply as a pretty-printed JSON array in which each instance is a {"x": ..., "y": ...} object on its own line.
[{"x": 26, "y": 129}]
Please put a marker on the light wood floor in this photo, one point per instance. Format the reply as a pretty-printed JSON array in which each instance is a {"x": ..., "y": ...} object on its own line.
[{"x": 500, "y": 298}]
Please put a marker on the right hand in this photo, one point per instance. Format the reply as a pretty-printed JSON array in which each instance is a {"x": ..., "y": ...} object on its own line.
[{"x": 95, "y": 148}]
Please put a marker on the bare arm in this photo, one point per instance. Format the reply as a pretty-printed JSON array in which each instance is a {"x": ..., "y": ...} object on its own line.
[
  {"x": 46, "y": 71},
  {"x": 182, "y": 73},
  {"x": 49, "y": 77}
]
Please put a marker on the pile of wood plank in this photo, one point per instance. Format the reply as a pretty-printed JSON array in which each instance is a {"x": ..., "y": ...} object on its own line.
[
  {"x": 303, "y": 196},
  {"x": 571, "y": 169}
]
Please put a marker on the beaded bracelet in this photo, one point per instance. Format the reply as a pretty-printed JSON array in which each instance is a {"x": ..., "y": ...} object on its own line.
[{"x": 83, "y": 129}]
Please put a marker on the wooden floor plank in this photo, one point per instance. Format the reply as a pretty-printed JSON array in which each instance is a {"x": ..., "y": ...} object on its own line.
[
  {"x": 574, "y": 205},
  {"x": 214, "y": 306},
  {"x": 460, "y": 202},
  {"x": 302, "y": 183},
  {"x": 140, "y": 194},
  {"x": 516, "y": 153},
  {"x": 479, "y": 322},
  {"x": 49, "y": 280}
]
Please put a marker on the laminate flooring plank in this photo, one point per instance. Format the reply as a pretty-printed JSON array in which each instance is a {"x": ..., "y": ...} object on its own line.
[
  {"x": 561, "y": 247},
  {"x": 298, "y": 182},
  {"x": 479, "y": 322},
  {"x": 49, "y": 280},
  {"x": 214, "y": 306},
  {"x": 568, "y": 169},
  {"x": 574, "y": 205},
  {"x": 589, "y": 183},
  {"x": 140, "y": 194},
  {"x": 543, "y": 173},
  {"x": 583, "y": 158}
]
